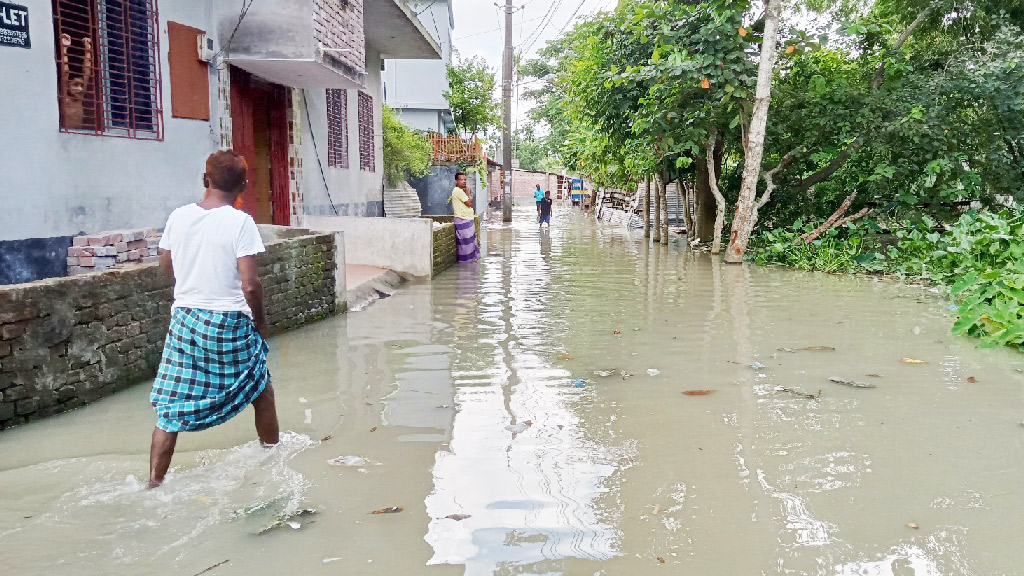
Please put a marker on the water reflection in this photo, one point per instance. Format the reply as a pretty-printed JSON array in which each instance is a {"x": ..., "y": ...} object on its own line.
[{"x": 519, "y": 465}]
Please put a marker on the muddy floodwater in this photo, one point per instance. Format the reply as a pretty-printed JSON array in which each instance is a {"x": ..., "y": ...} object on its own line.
[{"x": 461, "y": 401}]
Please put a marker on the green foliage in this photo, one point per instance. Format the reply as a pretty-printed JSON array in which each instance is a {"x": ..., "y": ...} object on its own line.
[
  {"x": 406, "y": 152},
  {"x": 834, "y": 252},
  {"x": 471, "y": 97}
]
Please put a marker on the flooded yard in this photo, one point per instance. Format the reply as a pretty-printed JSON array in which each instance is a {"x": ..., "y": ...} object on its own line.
[{"x": 529, "y": 415}]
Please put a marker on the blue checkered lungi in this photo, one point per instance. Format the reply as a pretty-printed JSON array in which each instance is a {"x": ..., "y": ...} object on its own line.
[{"x": 214, "y": 365}]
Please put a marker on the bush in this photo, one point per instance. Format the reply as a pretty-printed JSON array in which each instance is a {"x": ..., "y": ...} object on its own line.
[{"x": 406, "y": 152}]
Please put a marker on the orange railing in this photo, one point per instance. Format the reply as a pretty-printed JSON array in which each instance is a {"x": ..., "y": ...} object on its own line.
[{"x": 456, "y": 149}]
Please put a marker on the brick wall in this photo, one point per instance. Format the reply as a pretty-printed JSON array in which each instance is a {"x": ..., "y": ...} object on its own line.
[
  {"x": 339, "y": 24},
  {"x": 446, "y": 252},
  {"x": 524, "y": 182},
  {"x": 445, "y": 248},
  {"x": 65, "y": 342}
]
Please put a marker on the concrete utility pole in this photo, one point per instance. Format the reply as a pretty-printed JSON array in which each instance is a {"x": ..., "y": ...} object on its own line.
[{"x": 506, "y": 117}]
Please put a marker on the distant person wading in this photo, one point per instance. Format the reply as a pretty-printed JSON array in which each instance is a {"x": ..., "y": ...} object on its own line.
[
  {"x": 215, "y": 356},
  {"x": 465, "y": 221}
]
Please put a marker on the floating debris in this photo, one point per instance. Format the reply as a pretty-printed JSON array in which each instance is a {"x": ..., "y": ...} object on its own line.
[
  {"x": 851, "y": 383},
  {"x": 565, "y": 356},
  {"x": 912, "y": 361},
  {"x": 698, "y": 392},
  {"x": 391, "y": 510},
  {"x": 799, "y": 393},
  {"x": 604, "y": 373},
  {"x": 374, "y": 429},
  {"x": 519, "y": 427},
  {"x": 625, "y": 374},
  {"x": 616, "y": 332},
  {"x": 653, "y": 371},
  {"x": 458, "y": 517},
  {"x": 287, "y": 520},
  {"x": 972, "y": 380},
  {"x": 212, "y": 567},
  {"x": 808, "y": 349},
  {"x": 874, "y": 375},
  {"x": 757, "y": 365},
  {"x": 348, "y": 461},
  {"x": 913, "y": 525},
  {"x": 660, "y": 559},
  {"x": 579, "y": 383}
]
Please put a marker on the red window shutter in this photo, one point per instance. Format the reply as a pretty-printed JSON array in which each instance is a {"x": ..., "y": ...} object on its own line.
[{"x": 190, "y": 77}]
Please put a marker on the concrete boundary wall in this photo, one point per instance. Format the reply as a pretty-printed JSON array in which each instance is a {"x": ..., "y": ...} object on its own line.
[
  {"x": 65, "y": 342},
  {"x": 401, "y": 244}
]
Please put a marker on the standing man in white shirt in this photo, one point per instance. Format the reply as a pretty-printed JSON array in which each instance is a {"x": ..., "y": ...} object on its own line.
[{"x": 215, "y": 356}]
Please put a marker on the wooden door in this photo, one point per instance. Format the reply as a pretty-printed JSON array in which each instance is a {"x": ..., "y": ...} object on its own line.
[
  {"x": 280, "y": 176},
  {"x": 260, "y": 133},
  {"x": 242, "y": 134}
]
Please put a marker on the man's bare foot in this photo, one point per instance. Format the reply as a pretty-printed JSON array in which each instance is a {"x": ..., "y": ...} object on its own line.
[{"x": 154, "y": 484}]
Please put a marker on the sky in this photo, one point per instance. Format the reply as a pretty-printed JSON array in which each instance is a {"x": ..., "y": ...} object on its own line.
[{"x": 480, "y": 28}]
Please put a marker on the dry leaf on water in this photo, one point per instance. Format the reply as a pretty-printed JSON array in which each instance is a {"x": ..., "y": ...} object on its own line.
[
  {"x": 819, "y": 348},
  {"x": 972, "y": 380},
  {"x": 660, "y": 559},
  {"x": 616, "y": 332},
  {"x": 698, "y": 392},
  {"x": 913, "y": 525},
  {"x": 458, "y": 517},
  {"x": 912, "y": 361},
  {"x": 392, "y": 510},
  {"x": 374, "y": 429},
  {"x": 657, "y": 508},
  {"x": 566, "y": 356}
]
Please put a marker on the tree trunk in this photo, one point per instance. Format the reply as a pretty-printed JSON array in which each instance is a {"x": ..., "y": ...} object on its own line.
[
  {"x": 716, "y": 245},
  {"x": 703, "y": 206},
  {"x": 657, "y": 210},
  {"x": 647, "y": 207},
  {"x": 746, "y": 209},
  {"x": 687, "y": 217},
  {"x": 664, "y": 211}
]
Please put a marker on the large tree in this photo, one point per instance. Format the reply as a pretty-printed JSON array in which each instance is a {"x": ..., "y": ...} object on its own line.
[{"x": 471, "y": 97}]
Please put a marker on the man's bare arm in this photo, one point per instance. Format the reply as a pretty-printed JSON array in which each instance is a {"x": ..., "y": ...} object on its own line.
[
  {"x": 165, "y": 262},
  {"x": 252, "y": 288}
]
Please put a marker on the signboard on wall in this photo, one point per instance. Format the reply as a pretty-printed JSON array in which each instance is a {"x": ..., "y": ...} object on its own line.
[{"x": 14, "y": 26}]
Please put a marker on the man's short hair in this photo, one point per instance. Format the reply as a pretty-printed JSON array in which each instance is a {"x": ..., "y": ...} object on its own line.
[
  {"x": 457, "y": 174},
  {"x": 226, "y": 170}
]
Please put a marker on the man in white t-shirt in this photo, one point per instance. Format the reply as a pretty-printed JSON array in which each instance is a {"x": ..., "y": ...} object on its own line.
[{"x": 215, "y": 357}]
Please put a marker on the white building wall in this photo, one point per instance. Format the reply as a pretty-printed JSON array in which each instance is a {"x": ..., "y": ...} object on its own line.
[
  {"x": 59, "y": 184},
  {"x": 416, "y": 87},
  {"x": 352, "y": 191}
]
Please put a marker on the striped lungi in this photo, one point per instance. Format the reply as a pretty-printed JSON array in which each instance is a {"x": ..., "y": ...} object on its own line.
[
  {"x": 214, "y": 365},
  {"x": 465, "y": 240}
]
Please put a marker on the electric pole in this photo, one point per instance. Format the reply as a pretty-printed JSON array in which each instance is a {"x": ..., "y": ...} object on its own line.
[{"x": 506, "y": 117}]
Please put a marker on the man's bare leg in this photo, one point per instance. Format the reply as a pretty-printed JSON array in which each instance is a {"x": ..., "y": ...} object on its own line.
[
  {"x": 266, "y": 417},
  {"x": 160, "y": 453}
]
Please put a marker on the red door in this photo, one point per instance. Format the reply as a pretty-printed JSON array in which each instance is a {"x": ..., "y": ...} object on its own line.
[{"x": 260, "y": 133}]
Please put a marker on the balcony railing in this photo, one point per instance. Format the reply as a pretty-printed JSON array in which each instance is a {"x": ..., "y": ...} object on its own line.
[{"x": 456, "y": 149}]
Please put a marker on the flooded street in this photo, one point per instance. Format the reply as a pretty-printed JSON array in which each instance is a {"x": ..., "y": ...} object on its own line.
[{"x": 455, "y": 400}]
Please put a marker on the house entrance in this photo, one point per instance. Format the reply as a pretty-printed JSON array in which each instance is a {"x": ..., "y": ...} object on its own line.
[{"x": 260, "y": 133}]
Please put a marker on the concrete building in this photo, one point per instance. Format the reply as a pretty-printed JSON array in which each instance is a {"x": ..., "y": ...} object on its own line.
[
  {"x": 416, "y": 87},
  {"x": 110, "y": 113}
]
